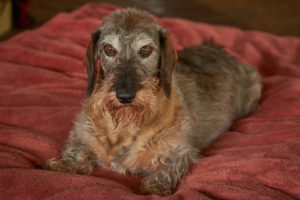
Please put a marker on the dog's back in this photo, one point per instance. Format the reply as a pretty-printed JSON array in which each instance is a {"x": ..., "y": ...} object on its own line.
[{"x": 216, "y": 90}]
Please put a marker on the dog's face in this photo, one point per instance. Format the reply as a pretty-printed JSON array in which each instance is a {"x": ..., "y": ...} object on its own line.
[
  {"x": 128, "y": 59},
  {"x": 136, "y": 59}
]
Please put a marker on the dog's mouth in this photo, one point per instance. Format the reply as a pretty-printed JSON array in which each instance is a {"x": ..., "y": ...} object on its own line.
[
  {"x": 128, "y": 104},
  {"x": 126, "y": 110}
]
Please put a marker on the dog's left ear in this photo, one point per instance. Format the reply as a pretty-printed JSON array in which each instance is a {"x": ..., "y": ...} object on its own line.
[
  {"x": 91, "y": 59},
  {"x": 168, "y": 59}
]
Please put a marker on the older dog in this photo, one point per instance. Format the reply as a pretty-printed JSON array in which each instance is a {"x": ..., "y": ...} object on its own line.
[{"x": 144, "y": 116}]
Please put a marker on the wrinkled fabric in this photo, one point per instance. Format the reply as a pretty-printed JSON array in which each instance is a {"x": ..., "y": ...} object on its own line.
[{"x": 43, "y": 82}]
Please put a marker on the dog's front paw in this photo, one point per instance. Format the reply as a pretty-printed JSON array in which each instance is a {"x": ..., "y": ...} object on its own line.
[
  {"x": 156, "y": 184},
  {"x": 67, "y": 165}
]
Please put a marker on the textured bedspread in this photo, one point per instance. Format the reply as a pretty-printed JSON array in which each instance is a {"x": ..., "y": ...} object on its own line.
[{"x": 43, "y": 82}]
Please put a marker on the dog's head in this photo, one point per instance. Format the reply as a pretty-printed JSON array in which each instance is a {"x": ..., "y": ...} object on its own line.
[{"x": 135, "y": 54}]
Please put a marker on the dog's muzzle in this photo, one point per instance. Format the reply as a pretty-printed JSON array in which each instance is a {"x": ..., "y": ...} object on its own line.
[{"x": 126, "y": 86}]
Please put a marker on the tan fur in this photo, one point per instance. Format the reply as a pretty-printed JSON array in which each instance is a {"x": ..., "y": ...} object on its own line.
[{"x": 141, "y": 122}]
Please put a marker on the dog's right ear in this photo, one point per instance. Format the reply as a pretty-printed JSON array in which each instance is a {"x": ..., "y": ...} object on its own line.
[
  {"x": 168, "y": 60},
  {"x": 91, "y": 59}
]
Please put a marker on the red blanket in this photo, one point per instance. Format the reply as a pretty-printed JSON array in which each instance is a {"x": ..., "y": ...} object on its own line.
[{"x": 42, "y": 85}]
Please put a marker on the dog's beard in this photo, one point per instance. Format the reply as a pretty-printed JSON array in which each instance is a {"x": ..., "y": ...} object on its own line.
[
  {"x": 136, "y": 113},
  {"x": 124, "y": 115}
]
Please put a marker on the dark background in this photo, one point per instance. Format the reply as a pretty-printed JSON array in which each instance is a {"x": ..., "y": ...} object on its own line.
[{"x": 281, "y": 17}]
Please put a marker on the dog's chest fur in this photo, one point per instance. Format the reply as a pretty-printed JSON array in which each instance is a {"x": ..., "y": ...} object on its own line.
[{"x": 135, "y": 149}]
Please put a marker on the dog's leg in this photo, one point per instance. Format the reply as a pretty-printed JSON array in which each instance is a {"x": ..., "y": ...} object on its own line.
[
  {"x": 249, "y": 91},
  {"x": 76, "y": 158},
  {"x": 164, "y": 180}
]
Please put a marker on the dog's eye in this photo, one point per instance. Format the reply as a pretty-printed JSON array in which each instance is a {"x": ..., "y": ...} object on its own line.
[
  {"x": 109, "y": 50},
  {"x": 145, "y": 51}
]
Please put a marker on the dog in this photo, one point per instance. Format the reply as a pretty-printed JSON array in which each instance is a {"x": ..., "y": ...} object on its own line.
[{"x": 144, "y": 116}]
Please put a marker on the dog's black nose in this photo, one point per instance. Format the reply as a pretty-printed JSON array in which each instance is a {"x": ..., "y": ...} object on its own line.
[{"x": 125, "y": 97}]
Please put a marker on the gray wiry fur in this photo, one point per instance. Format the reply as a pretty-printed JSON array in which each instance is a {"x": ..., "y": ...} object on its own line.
[{"x": 175, "y": 114}]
